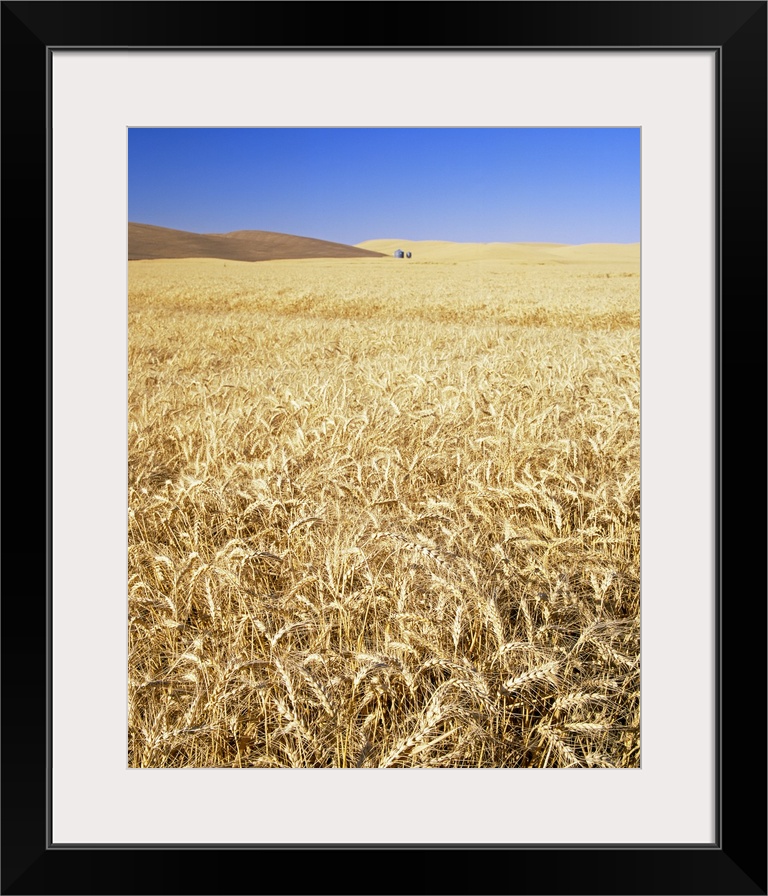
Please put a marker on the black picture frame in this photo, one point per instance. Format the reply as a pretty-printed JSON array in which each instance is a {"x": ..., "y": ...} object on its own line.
[{"x": 736, "y": 862}]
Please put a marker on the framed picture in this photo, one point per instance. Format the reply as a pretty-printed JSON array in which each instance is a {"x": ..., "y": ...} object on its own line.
[{"x": 691, "y": 78}]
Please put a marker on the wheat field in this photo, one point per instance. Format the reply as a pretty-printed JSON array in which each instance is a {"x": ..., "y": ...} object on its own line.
[{"x": 385, "y": 513}]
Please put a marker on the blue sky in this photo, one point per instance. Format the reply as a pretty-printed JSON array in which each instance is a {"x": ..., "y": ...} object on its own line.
[{"x": 563, "y": 185}]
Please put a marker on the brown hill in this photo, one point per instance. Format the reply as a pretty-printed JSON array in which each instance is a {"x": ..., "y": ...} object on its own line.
[{"x": 148, "y": 241}]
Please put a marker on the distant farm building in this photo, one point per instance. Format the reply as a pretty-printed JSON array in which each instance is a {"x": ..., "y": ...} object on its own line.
[{"x": 399, "y": 253}]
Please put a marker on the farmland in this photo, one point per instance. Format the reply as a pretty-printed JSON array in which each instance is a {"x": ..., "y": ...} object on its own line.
[{"x": 385, "y": 513}]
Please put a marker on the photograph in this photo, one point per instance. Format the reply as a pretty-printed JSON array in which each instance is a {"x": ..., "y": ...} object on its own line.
[
  {"x": 385, "y": 427},
  {"x": 384, "y": 448}
]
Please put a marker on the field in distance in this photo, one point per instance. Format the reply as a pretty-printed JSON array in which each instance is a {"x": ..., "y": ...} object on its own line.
[
  {"x": 623, "y": 257},
  {"x": 149, "y": 241},
  {"x": 384, "y": 512}
]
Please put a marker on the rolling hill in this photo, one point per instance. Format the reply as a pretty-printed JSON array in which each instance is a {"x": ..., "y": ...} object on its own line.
[
  {"x": 522, "y": 253},
  {"x": 147, "y": 241}
]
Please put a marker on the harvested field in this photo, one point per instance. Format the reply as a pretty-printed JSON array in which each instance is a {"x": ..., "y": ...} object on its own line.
[
  {"x": 147, "y": 241},
  {"x": 386, "y": 513}
]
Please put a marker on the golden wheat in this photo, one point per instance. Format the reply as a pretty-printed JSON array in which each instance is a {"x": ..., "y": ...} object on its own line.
[{"x": 383, "y": 516}]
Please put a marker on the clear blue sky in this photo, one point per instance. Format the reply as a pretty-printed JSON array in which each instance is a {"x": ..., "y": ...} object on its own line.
[{"x": 563, "y": 185}]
